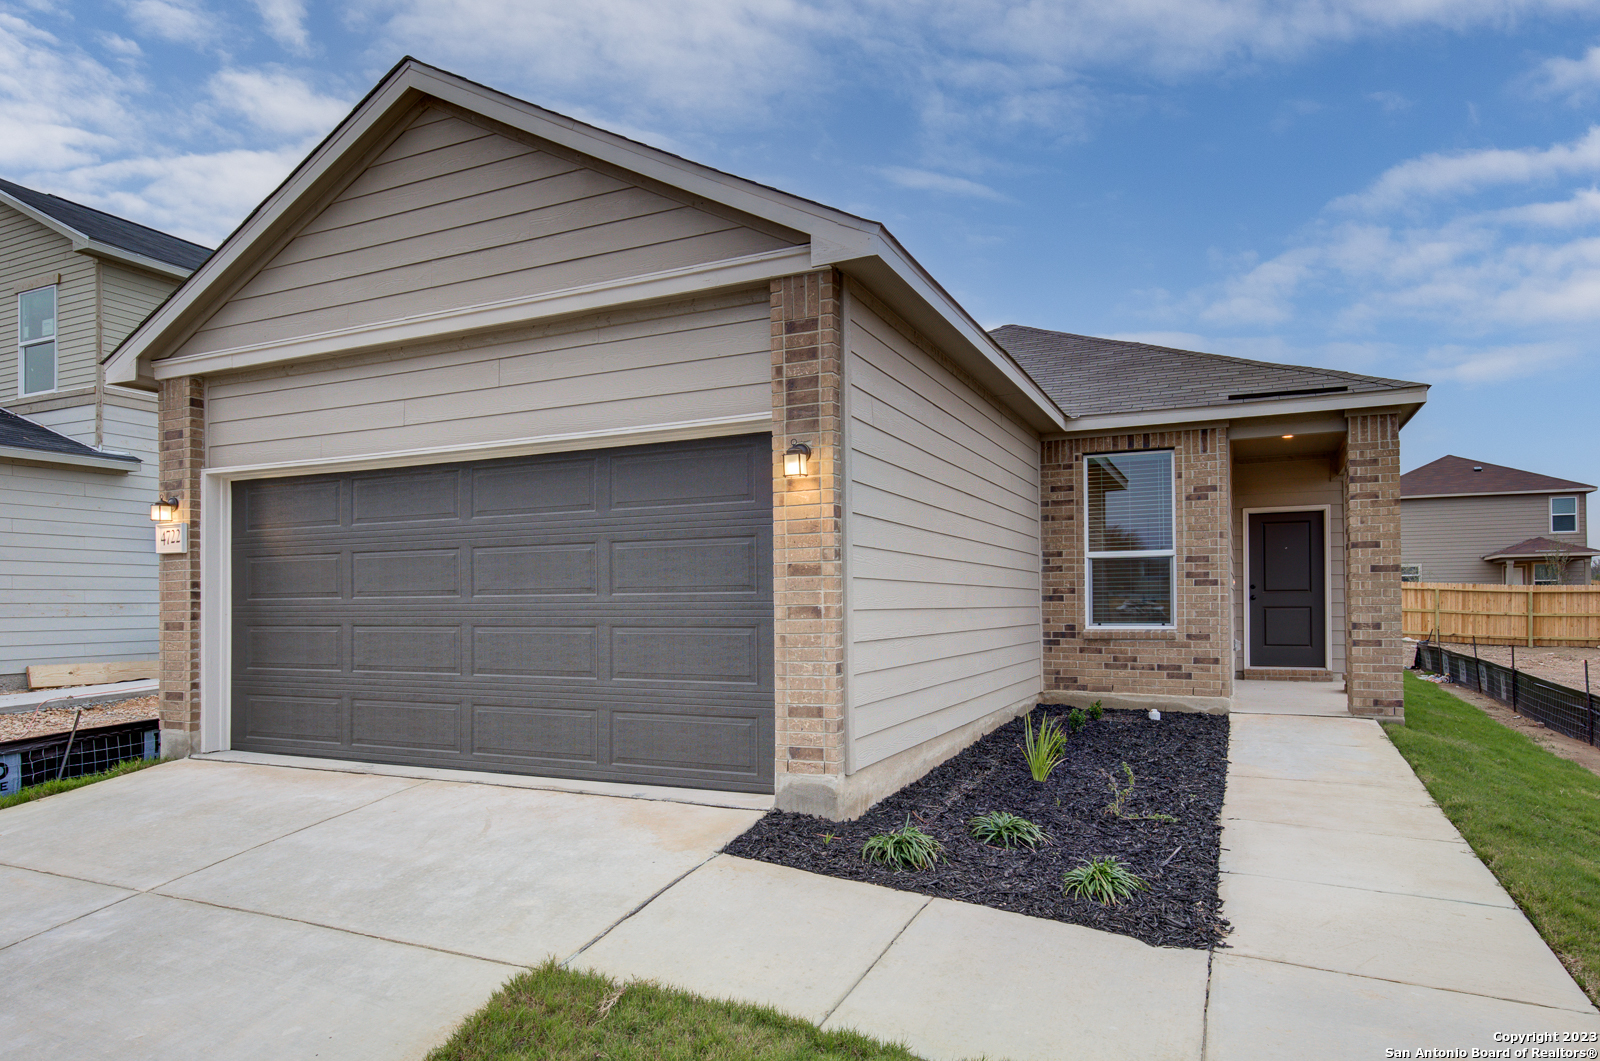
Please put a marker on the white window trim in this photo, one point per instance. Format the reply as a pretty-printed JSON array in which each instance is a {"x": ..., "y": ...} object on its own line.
[
  {"x": 1134, "y": 554},
  {"x": 55, "y": 342},
  {"x": 1573, "y": 513}
]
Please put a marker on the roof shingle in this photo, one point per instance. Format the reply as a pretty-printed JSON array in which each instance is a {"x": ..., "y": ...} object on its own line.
[
  {"x": 110, "y": 229},
  {"x": 20, "y": 433},
  {"x": 1537, "y": 547},
  {"x": 1457, "y": 475}
]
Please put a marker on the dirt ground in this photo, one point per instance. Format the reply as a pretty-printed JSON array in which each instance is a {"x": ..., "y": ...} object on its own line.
[
  {"x": 30, "y": 724},
  {"x": 1584, "y": 755},
  {"x": 1564, "y": 666}
]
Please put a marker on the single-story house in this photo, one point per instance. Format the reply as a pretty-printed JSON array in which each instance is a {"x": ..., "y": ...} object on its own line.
[
  {"x": 506, "y": 443},
  {"x": 1471, "y": 521},
  {"x": 77, "y": 457}
]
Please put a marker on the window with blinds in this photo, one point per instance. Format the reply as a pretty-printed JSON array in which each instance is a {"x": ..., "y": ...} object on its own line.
[{"x": 1130, "y": 538}]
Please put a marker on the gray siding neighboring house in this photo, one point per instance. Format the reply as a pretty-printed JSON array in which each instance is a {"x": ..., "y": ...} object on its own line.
[
  {"x": 1456, "y": 514},
  {"x": 79, "y": 465}
]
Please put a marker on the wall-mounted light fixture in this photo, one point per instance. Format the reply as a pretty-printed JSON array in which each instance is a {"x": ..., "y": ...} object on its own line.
[
  {"x": 164, "y": 510},
  {"x": 796, "y": 458}
]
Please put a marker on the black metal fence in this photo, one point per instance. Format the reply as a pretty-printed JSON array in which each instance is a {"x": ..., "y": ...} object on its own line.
[
  {"x": 37, "y": 760},
  {"x": 1569, "y": 711}
]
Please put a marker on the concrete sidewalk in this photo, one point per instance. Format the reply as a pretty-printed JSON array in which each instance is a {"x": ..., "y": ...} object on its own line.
[{"x": 237, "y": 911}]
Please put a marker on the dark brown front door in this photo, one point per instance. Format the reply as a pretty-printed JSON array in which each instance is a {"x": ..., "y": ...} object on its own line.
[{"x": 1288, "y": 597}]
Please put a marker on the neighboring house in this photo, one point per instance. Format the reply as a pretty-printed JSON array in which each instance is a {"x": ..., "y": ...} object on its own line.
[
  {"x": 1471, "y": 521},
  {"x": 77, "y": 457},
  {"x": 508, "y": 443}
]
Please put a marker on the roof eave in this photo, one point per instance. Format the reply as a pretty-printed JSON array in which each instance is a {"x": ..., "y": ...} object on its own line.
[
  {"x": 1408, "y": 399},
  {"x": 1574, "y": 489},
  {"x": 1576, "y": 552},
  {"x": 83, "y": 244},
  {"x": 77, "y": 460}
]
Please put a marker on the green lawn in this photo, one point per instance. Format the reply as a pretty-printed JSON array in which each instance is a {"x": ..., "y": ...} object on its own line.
[
  {"x": 50, "y": 788},
  {"x": 1532, "y": 816},
  {"x": 555, "y": 1014}
]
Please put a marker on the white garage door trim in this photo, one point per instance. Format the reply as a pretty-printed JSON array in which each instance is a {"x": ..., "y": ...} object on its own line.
[{"x": 216, "y": 529}]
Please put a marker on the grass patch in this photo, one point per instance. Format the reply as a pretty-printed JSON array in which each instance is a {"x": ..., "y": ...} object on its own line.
[
  {"x": 1531, "y": 816},
  {"x": 556, "y": 1014},
  {"x": 67, "y": 784}
]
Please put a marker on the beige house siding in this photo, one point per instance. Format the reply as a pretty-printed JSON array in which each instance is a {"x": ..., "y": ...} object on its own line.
[
  {"x": 78, "y": 567},
  {"x": 453, "y": 215},
  {"x": 1449, "y": 536},
  {"x": 126, "y": 297},
  {"x": 943, "y": 556},
  {"x": 27, "y": 251},
  {"x": 692, "y": 360},
  {"x": 1291, "y": 484}
]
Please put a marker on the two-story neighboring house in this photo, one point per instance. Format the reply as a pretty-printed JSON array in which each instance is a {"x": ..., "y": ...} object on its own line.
[
  {"x": 78, "y": 458},
  {"x": 1472, "y": 521}
]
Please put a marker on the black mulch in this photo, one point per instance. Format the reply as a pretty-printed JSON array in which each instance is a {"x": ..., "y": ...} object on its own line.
[{"x": 1179, "y": 765}]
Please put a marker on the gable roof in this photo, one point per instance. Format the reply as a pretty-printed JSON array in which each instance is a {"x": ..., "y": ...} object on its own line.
[
  {"x": 1453, "y": 476},
  {"x": 1093, "y": 377},
  {"x": 858, "y": 247},
  {"x": 23, "y": 439},
  {"x": 1541, "y": 547},
  {"x": 96, "y": 231}
]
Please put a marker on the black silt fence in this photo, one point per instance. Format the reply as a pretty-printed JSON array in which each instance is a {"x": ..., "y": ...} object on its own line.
[
  {"x": 1569, "y": 711},
  {"x": 37, "y": 760}
]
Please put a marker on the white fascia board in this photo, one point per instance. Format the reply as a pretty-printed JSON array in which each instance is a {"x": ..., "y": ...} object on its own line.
[
  {"x": 1552, "y": 491},
  {"x": 76, "y": 460},
  {"x": 1099, "y": 424},
  {"x": 652, "y": 287},
  {"x": 84, "y": 245}
]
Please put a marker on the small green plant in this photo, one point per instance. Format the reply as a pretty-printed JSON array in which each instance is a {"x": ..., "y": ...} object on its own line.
[
  {"x": 1104, "y": 880},
  {"x": 1121, "y": 792},
  {"x": 828, "y": 838},
  {"x": 1044, "y": 752},
  {"x": 907, "y": 847},
  {"x": 1002, "y": 829},
  {"x": 1076, "y": 720},
  {"x": 1095, "y": 711}
]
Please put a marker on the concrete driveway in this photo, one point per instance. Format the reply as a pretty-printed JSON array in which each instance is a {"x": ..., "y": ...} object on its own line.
[{"x": 236, "y": 911}]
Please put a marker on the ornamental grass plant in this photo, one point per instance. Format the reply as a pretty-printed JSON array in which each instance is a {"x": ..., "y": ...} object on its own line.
[{"x": 1044, "y": 752}]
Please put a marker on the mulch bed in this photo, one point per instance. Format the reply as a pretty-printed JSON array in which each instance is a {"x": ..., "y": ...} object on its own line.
[{"x": 1180, "y": 768}]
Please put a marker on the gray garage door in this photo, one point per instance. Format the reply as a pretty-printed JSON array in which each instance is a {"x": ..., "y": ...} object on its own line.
[{"x": 605, "y": 614}]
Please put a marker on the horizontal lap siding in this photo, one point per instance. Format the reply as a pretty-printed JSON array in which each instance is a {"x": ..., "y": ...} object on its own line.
[
  {"x": 77, "y": 558},
  {"x": 28, "y": 249},
  {"x": 1449, "y": 536},
  {"x": 126, "y": 297},
  {"x": 453, "y": 215},
  {"x": 689, "y": 361},
  {"x": 944, "y": 548}
]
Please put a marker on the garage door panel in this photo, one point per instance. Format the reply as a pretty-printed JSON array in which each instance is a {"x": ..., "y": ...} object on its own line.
[
  {"x": 406, "y": 573},
  {"x": 509, "y": 615},
  {"x": 560, "y": 652}
]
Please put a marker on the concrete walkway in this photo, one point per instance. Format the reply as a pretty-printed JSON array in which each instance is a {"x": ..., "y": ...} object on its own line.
[{"x": 240, "y": 911}]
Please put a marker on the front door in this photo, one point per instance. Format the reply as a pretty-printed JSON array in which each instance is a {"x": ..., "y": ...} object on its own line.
[{"x": 1288, "y": 592}]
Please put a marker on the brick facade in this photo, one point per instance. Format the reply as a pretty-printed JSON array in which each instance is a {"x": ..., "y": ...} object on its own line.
[
  {"x": 181, "y": 427},
  {"x": 807, "y": 525},
  {"x": 1372, "y": 564},
  {"x": 1193, "y": 660}
]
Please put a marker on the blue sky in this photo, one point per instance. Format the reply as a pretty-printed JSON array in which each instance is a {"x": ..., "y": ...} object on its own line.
[{"x": 1407, "y": 188}]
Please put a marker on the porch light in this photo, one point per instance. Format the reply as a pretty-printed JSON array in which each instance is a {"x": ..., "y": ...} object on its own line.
[
  {"x": 796, "y": 458},
  {"x": 1288, "y": 436},
  {"x": 164, "y": 510}
]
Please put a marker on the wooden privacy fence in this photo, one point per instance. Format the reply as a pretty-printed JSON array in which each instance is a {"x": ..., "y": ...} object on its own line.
[{"x": 1502, "y": 615}]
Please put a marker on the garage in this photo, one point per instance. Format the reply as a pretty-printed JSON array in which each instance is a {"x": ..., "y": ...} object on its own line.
[{"x": 604, "y": 615}]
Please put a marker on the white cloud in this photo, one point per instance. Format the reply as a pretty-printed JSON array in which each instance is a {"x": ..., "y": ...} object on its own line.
[
  {"x": 1437, "y": 175},
  {"x": 285, "y": 22},
  {"x": 276, "y": 101},
  {"x": 928, "y": 181},
  {"x": 1390, "y": 102},
  {"x": 1496, "y": 364},
  {"x": 183, "y": 21},
  {"x": 1573, "y": 78},
  {"x": 58, "y": 106}
]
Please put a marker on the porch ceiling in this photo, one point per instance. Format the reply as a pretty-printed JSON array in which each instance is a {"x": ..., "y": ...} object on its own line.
[{"x": 1297, "y": 446}]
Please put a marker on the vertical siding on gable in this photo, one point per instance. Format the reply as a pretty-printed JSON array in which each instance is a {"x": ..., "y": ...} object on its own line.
[
  {"x": 943, "y": 548},
  {"x": 77, "y": 556},
  {"x": 1449, "y": 536},
  {"x": 27, "y": 249},
  {"x": 452, "y": 215},
  {"x": 1286, "y": 484}
]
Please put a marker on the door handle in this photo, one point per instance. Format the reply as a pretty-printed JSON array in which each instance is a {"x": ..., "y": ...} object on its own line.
[{"x": 1252, "y": 596}]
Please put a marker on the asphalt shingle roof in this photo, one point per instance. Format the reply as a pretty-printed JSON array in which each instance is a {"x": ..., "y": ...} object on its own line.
[
  {"x": 1543, "y": 547},
  {"x": 1088, "y": 376},
  {"x": 25, "y": 434},
  {"x": 110, "y": 229},
  {"x": 1457, "y": 475}
]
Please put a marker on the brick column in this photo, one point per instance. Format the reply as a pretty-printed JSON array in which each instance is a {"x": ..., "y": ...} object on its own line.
[
  {"x": 1373, "y": 662},
  {"x": 182, "y": 433},
  {"x": 807, "y": 521}
]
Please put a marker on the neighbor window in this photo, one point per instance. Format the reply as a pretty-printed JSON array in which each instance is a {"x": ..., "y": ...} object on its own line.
[
  {"x": 36, "y": 345},
  {"x": 1130, "y": 538},
  {"x": 1410, "y": 572},
  {"x": 1563, "y": 515},
  {"x": 1546, "y": 574}
]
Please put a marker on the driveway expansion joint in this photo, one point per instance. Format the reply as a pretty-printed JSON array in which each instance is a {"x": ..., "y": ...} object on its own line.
[
  {"x": 575, "y": 955},
  {"x": 1508, "y": 905}
]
